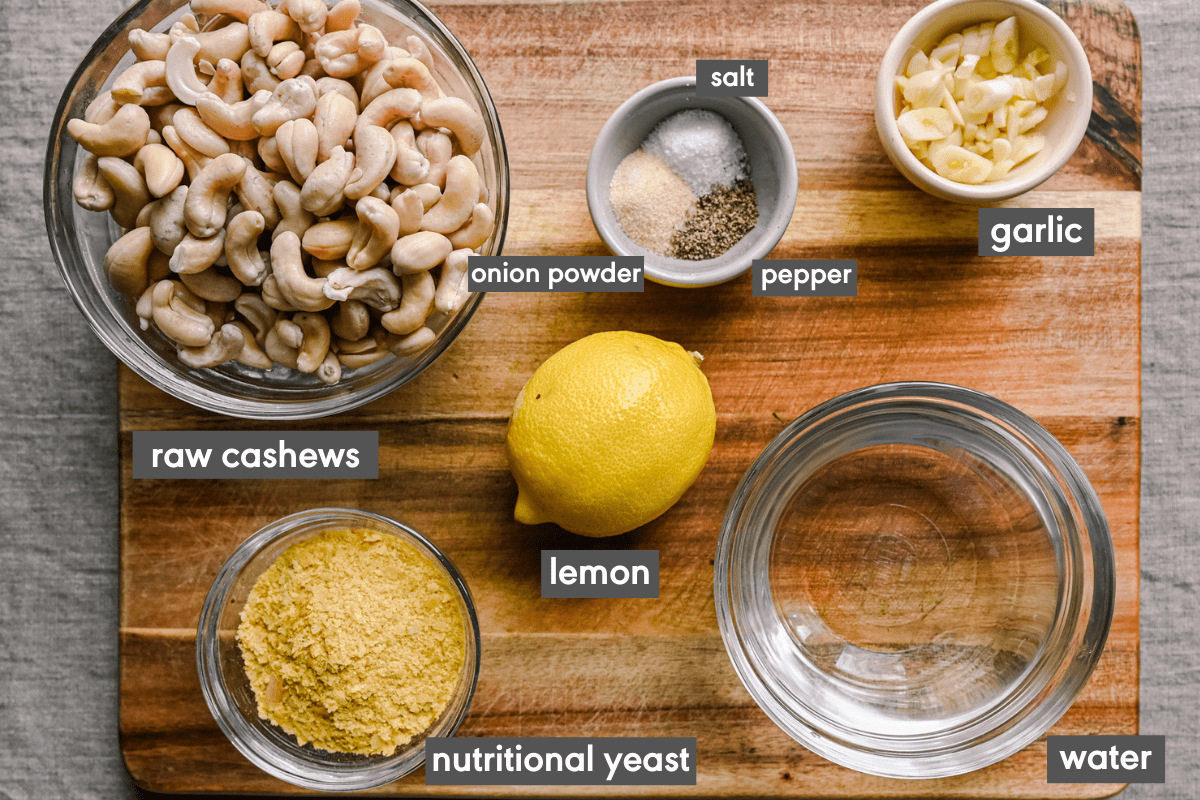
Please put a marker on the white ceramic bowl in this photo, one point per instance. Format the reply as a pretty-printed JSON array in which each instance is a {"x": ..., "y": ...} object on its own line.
[
  {"x": 772, "y": 171},
  {"x": 1064, "y": 127}
]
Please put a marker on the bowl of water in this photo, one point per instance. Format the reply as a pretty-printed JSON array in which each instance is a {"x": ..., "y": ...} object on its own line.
[{"x": 914, "y": 580}]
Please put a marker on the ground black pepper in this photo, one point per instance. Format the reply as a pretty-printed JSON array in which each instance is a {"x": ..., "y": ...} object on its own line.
[{"x": 722, "y": 217}]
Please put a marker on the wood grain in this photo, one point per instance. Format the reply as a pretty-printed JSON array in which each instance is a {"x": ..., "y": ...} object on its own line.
[{"x": 1059, "y": 338}]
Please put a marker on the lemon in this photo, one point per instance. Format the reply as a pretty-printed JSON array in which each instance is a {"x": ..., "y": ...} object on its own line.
[{"x": 609, "y": 433}]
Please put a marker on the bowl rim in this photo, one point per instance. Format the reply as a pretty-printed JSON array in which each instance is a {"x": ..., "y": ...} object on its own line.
[
  {"x": 597, "y": 190},
  {"x": 137, "y": 355},
  {"x": 373, "y": 774},
  {"x": 942, "y": 763},
  {"x": 928, "y": 180}
]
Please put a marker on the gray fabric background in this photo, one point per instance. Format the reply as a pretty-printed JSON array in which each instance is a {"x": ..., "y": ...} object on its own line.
[{"x": 58, "y": 469}]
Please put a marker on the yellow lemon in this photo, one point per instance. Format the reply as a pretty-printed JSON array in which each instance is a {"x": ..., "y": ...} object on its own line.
[{"x": 609, "y": 433}]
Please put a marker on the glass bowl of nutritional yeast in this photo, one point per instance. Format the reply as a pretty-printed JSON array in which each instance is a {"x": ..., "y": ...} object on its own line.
[
  {"x": 914, "y": 580},
  {"x": 332, "y": 644}
]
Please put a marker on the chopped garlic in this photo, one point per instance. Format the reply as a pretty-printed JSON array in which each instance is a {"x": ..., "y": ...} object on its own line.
[{"x": 971, "y": 105}]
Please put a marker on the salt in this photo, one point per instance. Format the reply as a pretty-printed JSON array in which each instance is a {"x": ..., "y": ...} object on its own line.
[{"x": 701, "y": 147}]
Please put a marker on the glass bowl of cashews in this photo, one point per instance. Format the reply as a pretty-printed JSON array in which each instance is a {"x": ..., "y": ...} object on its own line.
[{"x": 267, "y": 211}]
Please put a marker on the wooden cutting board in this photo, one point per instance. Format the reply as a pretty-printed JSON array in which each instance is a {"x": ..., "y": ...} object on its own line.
[{"x": 1059, "y": 338}]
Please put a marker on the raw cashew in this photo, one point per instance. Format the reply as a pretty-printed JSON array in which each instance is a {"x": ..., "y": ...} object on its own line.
[
  {"x": 323, "y": 193},
  {"x": 255, "y": 193},
  {"x": 240, "y": 10},
  {"x": 176, "y": 319},
  {"x": 121, "y": 136},
  {"x": 309, "y": 15},
  {"x": 458, "y": 199},
  {"x": 144, "y": 83},
  {"x": 260, "y": 316},
  {"x": 251, "y": 354},
  {"x": 438, "y": 148},
  {"x": 232, "y": 120},
  {"x": 378, "y": 227},
  {"x": 232, "y": 42},
  {"x": 452, "y": 286},
  {"x": 298, "y": 144},
  {"x": 101, "y": 109},
  {"x": 181, "y": 72},
  {"x": 374, "y": 157},
  {"x": 364, "y": 351},
  {"x": 345, "y": 88},
  {"x": 334, "y": 119},
  {"x": 186, "y": 25},
  {"x": 295, "y": 217},
  {"x": 454, "y": 114},
  {"x": 126, "y": 262},
  {"x": 193, "y": 161},
  {"x": 207, "y": 199},
  {"x": 160, "y": 167},
  {"x": 286, "y": 59},
  {"x": 226, "y": 83},
  {"x": 348, "y": 52},
  {"x": 476, "y": 230},
  {"x": 315, "y": 344},
  {"x": 418, "y": 50},
  {"x": 330, "y": 371},
  {"x": 276, "y": 348},
  {"x": 412, "y": 344},
  {"x": 419, "y": 252},
  {"x": 330, "y": 239},
  {"x": 225, "y": 345},
  {"x": 128, "y": 188},
  {"x": 197, "y": 135},
  {"x": 371, "y": 83},
  {"x": 144, "y": 307},
  {"x": 273, "y": 296},
  {"x": 167, "y": 227},
  {"x": 297, "y": 288},
  {"x": 409, "y": 73},
  {"x": 389, "y": 108},
  {"x": 409, "y": 210},
  {"x": 292, "y": 99},
  {"x": 269, "y": 27},
  {"x": 289, "y": 332},
  {"x": 241, "y": 248},
  {"x": 194, "y": 254},
  {"x": 268, "y": 151},
  {"x": 212, "y": 285},
  {"x": 90, "y": 188},
  {"x": 416, "y": 302},
  {"x": 377, "y": 287},
  {"x": 411, "y": 167},
  {"x": 256, "y": 75},
  {"x": 351, "y": 321},
  {"x": 149, "y": 46},
  {"x": 429, "y": 194},
  {"x": 342, "y": 15}
]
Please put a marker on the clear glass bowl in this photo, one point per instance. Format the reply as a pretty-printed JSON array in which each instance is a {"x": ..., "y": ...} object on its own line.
[
  {"x": 914, "y": 580},
  {"x": 80, "y": 238},
  {"x": 227, "y": 690}
]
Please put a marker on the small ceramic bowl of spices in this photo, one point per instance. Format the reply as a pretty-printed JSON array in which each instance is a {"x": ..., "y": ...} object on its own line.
[
  {"x": 698, "y": 186},
  {"x": 332, "y": 644}
]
